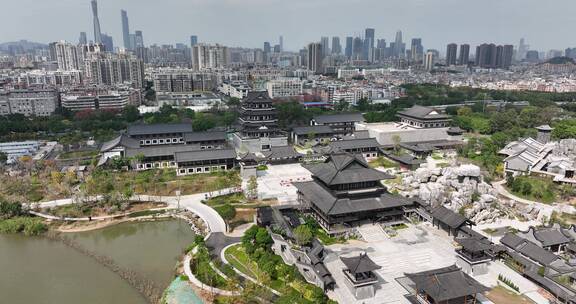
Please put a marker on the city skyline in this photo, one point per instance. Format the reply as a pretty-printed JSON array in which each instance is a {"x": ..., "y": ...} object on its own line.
[{"x": 508, "y": 23}]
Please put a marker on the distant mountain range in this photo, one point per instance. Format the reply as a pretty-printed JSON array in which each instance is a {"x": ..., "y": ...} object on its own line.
[{"x": 24, "y": 44}]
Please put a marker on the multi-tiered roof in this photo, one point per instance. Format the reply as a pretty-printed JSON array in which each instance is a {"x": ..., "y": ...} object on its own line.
[{"x": 258, "y": 117}]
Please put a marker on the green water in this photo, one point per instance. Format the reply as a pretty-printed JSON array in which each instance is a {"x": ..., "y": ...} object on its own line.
[{"x": 37, "y": 270}]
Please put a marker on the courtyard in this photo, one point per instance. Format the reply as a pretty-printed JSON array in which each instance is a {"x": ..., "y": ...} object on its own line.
[{"x": 276, "y": 182}]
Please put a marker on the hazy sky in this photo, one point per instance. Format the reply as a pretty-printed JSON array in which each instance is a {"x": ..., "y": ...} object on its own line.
[{"x": 544, "y": 24}]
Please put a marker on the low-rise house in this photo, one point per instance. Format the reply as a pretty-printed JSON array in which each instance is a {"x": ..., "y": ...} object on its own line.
[
  {"x": 360, "y": 276},
  {"x": 448, "y": 220},
  {"x": 424, "y": 117},
  {"x": 344, "y": 124}
]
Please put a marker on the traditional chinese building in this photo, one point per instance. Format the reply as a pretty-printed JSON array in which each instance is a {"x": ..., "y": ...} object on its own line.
[{"x": 258, "y": 121}]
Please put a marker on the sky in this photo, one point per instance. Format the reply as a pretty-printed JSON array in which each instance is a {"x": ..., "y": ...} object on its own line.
[{"x": 248, "y": 23}]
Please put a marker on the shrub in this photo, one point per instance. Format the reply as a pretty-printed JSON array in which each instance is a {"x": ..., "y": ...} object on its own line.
[
  {"x": 509, "y": 283},
  {"x": 26, "y": 225},
  {"x": 226, "y": 211}
]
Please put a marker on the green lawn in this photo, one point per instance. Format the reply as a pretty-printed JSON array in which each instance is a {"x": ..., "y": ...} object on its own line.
[
  {"x": 78, "y": 154},
  {"x": 236, "y": 256}
]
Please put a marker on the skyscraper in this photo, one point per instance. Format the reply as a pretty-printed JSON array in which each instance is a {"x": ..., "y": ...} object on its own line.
[
  {"x": 348, "y": 50},
  {"x": 522, "y": 50},
  {"x": 451, "y": 54},
  {"x": 336, "y": 47},
  {"x": 369, "y": 44},
  {"x": 125, "y": 30},
  {"x": 357, "y": 48},
  {"x": 464, "y": 54},
  {"x": 97, "y": 32},
  {"x": 66, "y": 55},
  {"x": 315, "y": 57},
  {"x": 507, "y": 54},
  {"x": 486, "y": 55},
  {"x": 429, "y": 61},
  {"x": 83, "y": 39},
  {"x": 193, "y": 40},
  {"x": 324, "y": 41},
  {"x": 108, "y": 42},
  {"x": 399, "y": 46},
  {"x": 205, "y": 56},
  {"x": 138, "y": 39},
  {"x": 281, "y": 43},
  {"x": 416, "y": 49}
]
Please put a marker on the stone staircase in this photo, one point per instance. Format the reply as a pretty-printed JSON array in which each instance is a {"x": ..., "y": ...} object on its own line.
[{"x": 371, "y": 232}]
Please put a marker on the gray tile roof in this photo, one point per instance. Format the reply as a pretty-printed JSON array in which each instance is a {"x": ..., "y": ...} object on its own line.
[
  {"x": 122, "y": 140},
  {"x": 304, "y": 131},
  {"x": 359, "y": 264},
  {"x": 446, "y": 283},
  {"x": 204, "y": 136},
  {"x": 283, "y": 152},
  {"x": 343, "y": 168},
  {"x": 528, "y": 249},
  {"x": 190, "y": 156},
  {"x": 260, "y": 96},
  {"x": 160, "y": 150},
  {"x": 448, "y": 217},
  {"x": 142, "y": 129},
  {"x": 335, "y": 118},
  {"x": 422, "y": 112},
  {"x": 324, "y": 200},
  {"x": 354, "y": 144}
]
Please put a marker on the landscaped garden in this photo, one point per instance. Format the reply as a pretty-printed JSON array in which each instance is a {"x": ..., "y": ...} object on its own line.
[{"x": 533, "y": 188}]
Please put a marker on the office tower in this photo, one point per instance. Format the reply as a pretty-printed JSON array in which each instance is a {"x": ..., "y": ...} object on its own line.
[
  {"x": 125, "y": 30},
  {"x": 138, "y": 39},
  {"x": 369, "y": 44},
  {"x": 277, "y": 48},
  {"x": 97, "y": 32},
  {"x": 348, "y": 50},
  {"x": 66, "y": 55},
  {"x": 325, "y": 46},
  {"x": 522, "y": 49},
  {"x": 193, "y": 40},
  {"x": 315, "y": 57},
  {"x": 399, "y": 46},
  {"x": 464, "y": 54},
  {"x": 451, "y": 54},
  {"x": 281, "y": 43},
  {"x": 267, "y": 47},
  {"x": 532, "y": 56},
  {"x": 486, "y": 55},
  {"x": 416, "y": 49},
  {"x": 429, "y": 61},
  {"x": 83, "y": 39},
  {"x": 108, "y": 42},
  {"x": 336, "y": 47},
  {"x": 206, "y": 56},
  {"x": 507, "y": 54},
  {"x": 357, "y": 48}
]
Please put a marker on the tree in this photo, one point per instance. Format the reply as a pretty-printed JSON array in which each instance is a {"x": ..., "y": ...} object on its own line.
[
  {"x": 131, "y": 113},
  {"x": 396, "y": 139},
  {"x": 341, "y": 106},
  {"x": 303, "y": 235},
  {"x": 252, "y": 188},
  {"x": 3, "y": 158}
]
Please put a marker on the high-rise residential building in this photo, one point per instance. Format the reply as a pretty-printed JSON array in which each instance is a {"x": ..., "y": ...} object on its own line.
[
  {"x": 83, "y": 38},
  {"x": 207, "y": 56},
  {"x": 348, "y": 50},
  {"x": 464, "y": 57},
  {"x": 451, "y": 54},
  {"x": 325, "y": 42},
  {"x": 97, "y": 31},
  {"x": 193, "y": 40},
  {"x": 138, "y": 39},
  {"x": 369, "y": 34},
  {"x": 532, "y": 56},
  {"x": 66, "y": 55},
  {"x": 108, "y": 42},
  {"x": 416, "y": 49},
  {"x": 315, "y": 57},
  {"x": 486, "y": 55},
  {"x": 103, "y": 68},
  {"x": 336, "y": 47},
  {"x": 125, "y": 30},
  {"x": 507, "y": 55},
  {"x": 429, "y": 61}
]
